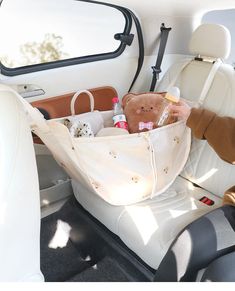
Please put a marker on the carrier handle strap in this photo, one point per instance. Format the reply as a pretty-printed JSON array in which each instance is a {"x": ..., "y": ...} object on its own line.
[
  {"x": 209, "y": 80},
  {"x": 75, "y": 96},
  {"x": 207, "y": 83},
  {"x": 157, "y": 68}
]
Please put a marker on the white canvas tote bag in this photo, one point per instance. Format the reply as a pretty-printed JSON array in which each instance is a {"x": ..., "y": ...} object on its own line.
[{"x": 121, "y": 169}]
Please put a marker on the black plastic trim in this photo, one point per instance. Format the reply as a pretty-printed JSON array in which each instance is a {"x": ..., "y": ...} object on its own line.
[
  {"x": 78, "y": 60},
  {"x": 44, "y": 112}
]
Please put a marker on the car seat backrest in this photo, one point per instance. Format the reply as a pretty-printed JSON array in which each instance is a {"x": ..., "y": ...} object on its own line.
[
  {"x": 19, "y": 195},
  {"x": 209, "y": 42}
]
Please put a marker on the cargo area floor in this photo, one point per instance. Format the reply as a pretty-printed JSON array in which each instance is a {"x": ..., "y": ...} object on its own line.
[{"x": 75, "y": 247}]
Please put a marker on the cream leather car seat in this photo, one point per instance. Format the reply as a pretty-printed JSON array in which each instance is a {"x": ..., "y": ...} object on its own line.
[
  {"x": 19, "y": 195},
  {"x": 149, "y": 227},
  {"x": 204, "y": 167}
]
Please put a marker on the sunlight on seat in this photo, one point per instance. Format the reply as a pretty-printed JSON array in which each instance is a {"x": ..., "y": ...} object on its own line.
[
  {"x": 190, "y": 186},
  {"x": 3, "y": 209},
  {"x": 193, "y": 204},
  {"x": 139, "y": 188},
  {"x": 176, "y": 213},
  {"x": 45, "y": 202},
  {"x": 224, "y": 233},
  {"x": 206, "y": 176},
  {"x": 61, "y": 236},
  {"x": 182, "y": 251},
  {"x": 144, "y": 220}
]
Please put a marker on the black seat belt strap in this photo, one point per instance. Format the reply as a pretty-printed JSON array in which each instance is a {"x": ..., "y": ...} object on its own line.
[{"x": 157, "y": 68}]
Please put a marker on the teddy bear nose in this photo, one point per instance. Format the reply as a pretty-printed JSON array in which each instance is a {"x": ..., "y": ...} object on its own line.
[{"x": 148, "y": 109}]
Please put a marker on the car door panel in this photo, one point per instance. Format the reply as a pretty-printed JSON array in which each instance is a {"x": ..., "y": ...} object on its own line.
[{"x": 59, "y": 106}]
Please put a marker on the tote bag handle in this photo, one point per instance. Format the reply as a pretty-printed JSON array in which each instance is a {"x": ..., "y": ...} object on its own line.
[{"x": 75, "y": 96}]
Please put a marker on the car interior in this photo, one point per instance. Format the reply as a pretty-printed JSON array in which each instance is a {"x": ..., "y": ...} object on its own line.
[{"x": 53, "y": 227}]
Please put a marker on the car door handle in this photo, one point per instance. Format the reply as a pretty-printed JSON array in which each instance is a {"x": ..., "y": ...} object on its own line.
[{"x": 29, "y": 90}]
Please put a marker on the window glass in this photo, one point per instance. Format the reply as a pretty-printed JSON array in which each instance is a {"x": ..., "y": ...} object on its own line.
[
  {"x": 226, "y": 18},
  {"x": 35, "y": 32}
]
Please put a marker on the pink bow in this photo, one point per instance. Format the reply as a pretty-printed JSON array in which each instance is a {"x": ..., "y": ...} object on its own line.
[{"x": 147, "y": 125}]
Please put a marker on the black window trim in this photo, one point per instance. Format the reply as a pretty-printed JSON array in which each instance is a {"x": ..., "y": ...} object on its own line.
[{"x": 77, "y": 60}]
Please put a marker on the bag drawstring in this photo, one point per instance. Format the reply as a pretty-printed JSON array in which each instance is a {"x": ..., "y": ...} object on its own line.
[{"x": 152, "y": 162}]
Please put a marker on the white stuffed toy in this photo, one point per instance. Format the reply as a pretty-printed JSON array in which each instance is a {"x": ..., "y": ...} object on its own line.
[{"x": 78, "y": 128}]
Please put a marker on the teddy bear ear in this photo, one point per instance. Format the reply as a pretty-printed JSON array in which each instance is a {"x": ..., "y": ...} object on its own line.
[{"x": 126, "y": 99}]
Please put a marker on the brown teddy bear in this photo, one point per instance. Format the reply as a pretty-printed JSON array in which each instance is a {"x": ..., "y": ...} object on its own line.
[{"x": 144, "y": 110}]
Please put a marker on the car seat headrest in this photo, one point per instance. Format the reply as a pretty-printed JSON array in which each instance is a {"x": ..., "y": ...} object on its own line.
[{"x": 211, "y": 40}]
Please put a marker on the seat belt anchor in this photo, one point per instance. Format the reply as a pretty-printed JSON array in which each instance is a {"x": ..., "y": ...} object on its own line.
[
  {"x": 156, "y": 72},
  {"x": 165, "y": 28}
]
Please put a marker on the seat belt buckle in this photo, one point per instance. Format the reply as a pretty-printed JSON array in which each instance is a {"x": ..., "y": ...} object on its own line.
[{"x": 207, "y": 201}]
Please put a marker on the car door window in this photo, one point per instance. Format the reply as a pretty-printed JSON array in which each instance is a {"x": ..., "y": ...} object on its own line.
[{"x": 47, "y": 31}]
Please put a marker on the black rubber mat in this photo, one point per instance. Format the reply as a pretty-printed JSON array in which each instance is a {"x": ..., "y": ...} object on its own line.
[
  {"x": 58, "y": 264},
  {"x": 106, "y": 270},
  {"x": 76, "y": 247}
]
